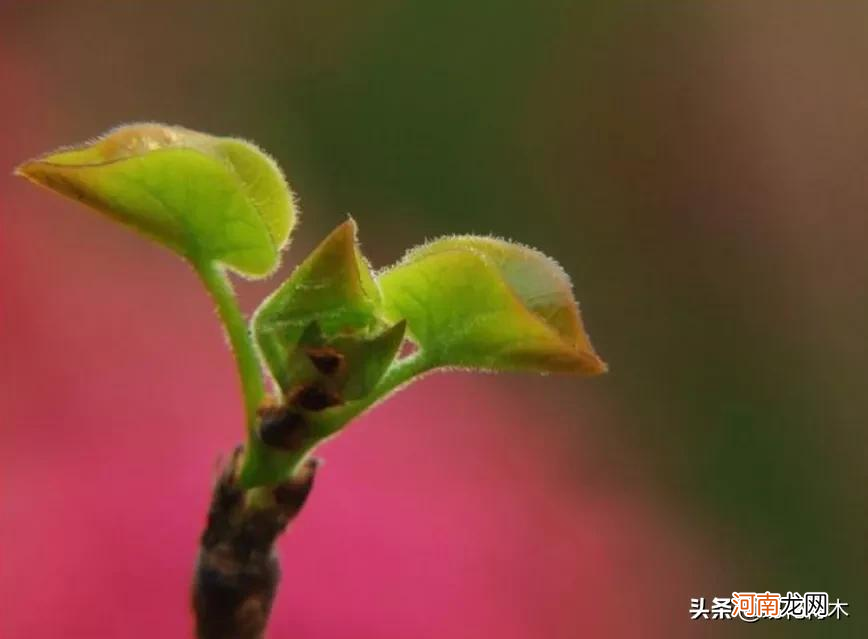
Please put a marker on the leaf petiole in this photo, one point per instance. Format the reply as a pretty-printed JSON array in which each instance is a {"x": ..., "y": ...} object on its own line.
[{"x": 249, "y": 372}]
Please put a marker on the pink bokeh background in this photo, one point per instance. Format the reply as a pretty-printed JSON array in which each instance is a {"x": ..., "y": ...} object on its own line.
[
  {"x": 442, "y": 513},
  {"x": 446, "y": 512},
  {"x": 697, "y": 167}
]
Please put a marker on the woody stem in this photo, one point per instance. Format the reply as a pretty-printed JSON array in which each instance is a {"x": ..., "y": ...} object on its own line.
[{"x": 237, "y": 570}]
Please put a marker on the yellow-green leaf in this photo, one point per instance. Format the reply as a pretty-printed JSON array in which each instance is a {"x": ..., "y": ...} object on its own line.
[
  {"x": 485, "y": 303},
  {"x": 210, "y": 199},
  {"x": 333, "y": 287}
]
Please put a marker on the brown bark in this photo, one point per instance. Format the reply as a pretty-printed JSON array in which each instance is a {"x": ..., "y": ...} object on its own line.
[{"x": 237, "y": 571}]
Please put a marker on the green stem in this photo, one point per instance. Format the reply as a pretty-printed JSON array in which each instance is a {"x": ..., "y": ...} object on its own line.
[{"x": 249, "y": 372}]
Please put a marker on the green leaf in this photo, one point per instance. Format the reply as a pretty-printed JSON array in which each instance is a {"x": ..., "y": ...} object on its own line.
[
  {"x": 484, "y": 303},
  {"x": 332, "y": 288},
  {"x": 210, "y": 199}
]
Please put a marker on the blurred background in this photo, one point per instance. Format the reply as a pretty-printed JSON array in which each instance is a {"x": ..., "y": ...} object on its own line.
[{"x": 698, "y": 167}]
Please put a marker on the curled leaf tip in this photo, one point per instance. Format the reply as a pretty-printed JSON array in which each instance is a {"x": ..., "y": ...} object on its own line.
[
  {"x": 486, "y": 303},
  {"x": 345, "y": 233}
]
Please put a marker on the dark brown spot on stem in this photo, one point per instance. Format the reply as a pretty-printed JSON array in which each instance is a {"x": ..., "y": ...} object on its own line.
[
  {"x": 314, "y": 398},
  {"x": 282, "y": 428},
  {"x": 326, "y": 360},
  {"x": 291, "y": 495}
]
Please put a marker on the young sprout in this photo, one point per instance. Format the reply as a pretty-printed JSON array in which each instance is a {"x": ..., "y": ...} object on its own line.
[{"x": 329, "y": 338}]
